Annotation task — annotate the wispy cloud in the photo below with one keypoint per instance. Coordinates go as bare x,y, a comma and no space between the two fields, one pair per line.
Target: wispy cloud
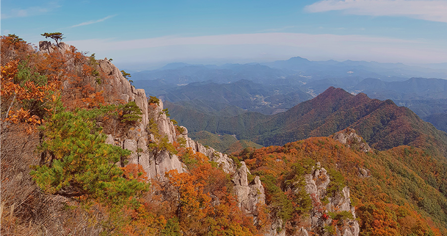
30,11
93,21
430,10
284,39
277,29
276,45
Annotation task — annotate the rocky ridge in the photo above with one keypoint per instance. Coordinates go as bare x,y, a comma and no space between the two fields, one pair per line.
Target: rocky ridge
138,138
326,207
249,193
156,164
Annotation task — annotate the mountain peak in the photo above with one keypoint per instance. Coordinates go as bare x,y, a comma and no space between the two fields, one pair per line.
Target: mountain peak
296,59
333,94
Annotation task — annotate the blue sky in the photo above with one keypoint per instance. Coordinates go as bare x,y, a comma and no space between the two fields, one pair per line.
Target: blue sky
142,34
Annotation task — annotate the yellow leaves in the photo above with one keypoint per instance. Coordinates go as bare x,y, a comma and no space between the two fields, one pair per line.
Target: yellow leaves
9,71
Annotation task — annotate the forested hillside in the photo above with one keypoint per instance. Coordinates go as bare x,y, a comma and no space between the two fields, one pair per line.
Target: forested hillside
382,123
283,84
86,153
400,191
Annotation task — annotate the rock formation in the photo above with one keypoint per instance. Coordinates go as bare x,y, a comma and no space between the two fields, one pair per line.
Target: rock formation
155,126
331,212
249,194
350,138
339,202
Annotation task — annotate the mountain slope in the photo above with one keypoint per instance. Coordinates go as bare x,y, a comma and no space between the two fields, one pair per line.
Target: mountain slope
381,123
400,191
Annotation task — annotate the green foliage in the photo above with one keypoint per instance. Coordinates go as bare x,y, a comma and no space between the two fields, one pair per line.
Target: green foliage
24,75
295,180
15,38
57,36
95,73
154,100
172,228
250,177
337,181
236,161
341,216
92,61
180,129
280,204
329,228
165,145
76,161
166,112
125,74
131,113
188,160
35,106
174,122
152,128
181,141
158,144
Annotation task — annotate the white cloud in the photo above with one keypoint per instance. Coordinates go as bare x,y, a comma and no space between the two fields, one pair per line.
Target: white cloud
431,10
31,11
285,39
93,21
267,46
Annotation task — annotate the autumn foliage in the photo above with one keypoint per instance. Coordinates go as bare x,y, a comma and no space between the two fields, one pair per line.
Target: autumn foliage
404,194
59,175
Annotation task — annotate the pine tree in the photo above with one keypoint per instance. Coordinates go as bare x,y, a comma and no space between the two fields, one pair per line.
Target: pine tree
131,113
76,161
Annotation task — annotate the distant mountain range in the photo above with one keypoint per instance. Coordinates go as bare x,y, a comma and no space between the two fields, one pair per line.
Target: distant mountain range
275,87
381,123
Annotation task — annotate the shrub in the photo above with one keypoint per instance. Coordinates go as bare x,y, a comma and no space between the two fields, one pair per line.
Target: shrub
154,100
131,113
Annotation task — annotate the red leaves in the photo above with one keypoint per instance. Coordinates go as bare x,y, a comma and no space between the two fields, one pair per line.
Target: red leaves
135,171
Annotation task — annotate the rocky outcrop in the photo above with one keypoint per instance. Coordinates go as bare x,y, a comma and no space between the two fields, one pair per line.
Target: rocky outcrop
249,194
350,138
48,47
331,212
155,127
364,173
327,205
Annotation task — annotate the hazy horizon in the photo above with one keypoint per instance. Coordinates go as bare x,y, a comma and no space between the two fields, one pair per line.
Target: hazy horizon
146,35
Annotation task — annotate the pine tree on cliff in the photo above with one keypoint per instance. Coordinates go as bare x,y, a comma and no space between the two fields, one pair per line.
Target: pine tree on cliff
57,36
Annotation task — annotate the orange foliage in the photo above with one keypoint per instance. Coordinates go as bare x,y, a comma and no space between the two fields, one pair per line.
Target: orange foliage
135,171
376,202
206,205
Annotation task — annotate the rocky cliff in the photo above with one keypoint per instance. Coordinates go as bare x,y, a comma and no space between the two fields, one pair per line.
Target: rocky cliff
248,193
328,207
331,213
145,138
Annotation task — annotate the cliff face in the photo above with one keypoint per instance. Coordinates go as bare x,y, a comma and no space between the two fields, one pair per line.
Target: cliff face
249,194
324,204
155,127
327,207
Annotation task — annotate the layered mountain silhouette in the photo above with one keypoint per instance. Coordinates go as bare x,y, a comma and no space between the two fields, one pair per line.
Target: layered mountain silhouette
382,124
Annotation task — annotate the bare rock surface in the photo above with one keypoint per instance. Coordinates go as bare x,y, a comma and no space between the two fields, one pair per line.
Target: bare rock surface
317,184
350,138
324,204
249,194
